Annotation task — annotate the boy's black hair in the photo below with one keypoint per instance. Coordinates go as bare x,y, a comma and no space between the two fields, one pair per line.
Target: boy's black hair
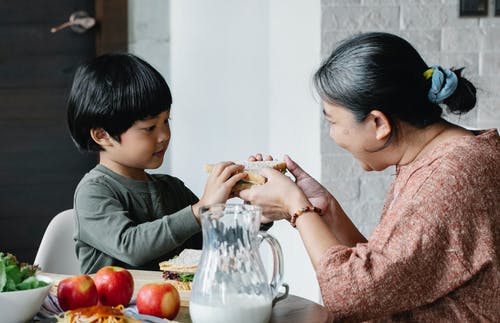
112,92
381,71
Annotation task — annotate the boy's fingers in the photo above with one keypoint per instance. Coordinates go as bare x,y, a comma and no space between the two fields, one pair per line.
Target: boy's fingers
219,167
232,169
235,179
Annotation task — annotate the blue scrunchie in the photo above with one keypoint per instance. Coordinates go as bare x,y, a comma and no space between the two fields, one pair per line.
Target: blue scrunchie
444,83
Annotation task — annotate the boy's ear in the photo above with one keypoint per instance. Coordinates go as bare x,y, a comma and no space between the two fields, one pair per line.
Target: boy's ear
100,136
382,125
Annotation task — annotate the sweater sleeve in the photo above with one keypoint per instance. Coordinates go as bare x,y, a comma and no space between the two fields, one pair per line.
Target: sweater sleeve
104,223
427,244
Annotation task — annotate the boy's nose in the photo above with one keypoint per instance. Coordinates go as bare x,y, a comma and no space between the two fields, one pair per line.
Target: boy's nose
164,135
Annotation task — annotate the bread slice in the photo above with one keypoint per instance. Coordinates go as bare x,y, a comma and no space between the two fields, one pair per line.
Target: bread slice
184,286
252,170
186,261
176,270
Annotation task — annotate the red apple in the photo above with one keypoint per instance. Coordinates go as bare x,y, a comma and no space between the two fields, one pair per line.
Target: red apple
115,286
161,299
76,291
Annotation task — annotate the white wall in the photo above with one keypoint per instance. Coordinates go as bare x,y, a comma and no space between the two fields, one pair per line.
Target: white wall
219,74
294,116
149,38
240,77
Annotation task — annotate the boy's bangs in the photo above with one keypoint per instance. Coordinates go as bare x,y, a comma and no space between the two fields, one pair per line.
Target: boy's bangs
144,93
146,97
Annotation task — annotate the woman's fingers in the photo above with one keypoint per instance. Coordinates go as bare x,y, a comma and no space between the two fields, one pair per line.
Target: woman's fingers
259,157
294,168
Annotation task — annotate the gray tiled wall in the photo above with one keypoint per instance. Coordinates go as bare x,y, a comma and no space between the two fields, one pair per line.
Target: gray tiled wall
442,37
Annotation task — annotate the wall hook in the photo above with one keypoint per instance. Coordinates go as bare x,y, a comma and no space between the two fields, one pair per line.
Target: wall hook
79,22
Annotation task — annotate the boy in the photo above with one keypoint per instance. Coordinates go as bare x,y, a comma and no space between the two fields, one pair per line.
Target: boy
119,107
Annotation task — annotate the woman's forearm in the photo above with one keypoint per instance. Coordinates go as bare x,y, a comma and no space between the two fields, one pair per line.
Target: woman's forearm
319,232
341,226
316,236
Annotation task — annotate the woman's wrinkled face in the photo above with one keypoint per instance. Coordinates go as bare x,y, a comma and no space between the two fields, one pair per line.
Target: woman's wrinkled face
358,138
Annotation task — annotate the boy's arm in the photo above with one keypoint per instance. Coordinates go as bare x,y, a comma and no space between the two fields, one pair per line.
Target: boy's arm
103,222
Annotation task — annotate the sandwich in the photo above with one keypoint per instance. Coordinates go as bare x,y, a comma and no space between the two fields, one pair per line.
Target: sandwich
252,170
179,271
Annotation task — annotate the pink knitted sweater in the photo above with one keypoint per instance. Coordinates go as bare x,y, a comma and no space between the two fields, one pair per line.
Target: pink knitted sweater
434,256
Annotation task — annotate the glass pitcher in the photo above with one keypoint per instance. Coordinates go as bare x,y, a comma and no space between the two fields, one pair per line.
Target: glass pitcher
230,284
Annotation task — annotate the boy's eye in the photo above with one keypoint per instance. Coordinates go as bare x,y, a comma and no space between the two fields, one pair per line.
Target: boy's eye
149,129
330,122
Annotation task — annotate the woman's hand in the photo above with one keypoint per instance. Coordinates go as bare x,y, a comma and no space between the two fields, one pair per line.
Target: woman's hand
333,216
220,181
315,192
278,196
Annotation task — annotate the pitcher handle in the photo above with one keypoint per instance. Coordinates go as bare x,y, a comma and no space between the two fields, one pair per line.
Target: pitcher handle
278,276
282,296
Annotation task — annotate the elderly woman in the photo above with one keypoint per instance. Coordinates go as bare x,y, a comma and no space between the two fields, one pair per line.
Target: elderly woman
434,255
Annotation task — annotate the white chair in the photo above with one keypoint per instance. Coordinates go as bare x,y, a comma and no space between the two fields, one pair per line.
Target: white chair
56,253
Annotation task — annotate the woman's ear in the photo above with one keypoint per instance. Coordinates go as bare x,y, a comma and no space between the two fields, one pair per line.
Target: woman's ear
101,137
383,127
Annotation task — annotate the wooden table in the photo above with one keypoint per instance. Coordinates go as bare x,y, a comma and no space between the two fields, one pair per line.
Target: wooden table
297,310
293,309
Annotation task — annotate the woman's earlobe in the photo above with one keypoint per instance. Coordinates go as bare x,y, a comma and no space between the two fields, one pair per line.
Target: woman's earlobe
383,126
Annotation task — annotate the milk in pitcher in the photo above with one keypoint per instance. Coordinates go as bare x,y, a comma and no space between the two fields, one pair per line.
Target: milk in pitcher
239,309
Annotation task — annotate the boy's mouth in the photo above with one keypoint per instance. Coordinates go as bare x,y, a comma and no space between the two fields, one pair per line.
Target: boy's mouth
160,152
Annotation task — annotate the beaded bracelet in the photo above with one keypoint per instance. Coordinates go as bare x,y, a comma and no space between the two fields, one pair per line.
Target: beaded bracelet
302,211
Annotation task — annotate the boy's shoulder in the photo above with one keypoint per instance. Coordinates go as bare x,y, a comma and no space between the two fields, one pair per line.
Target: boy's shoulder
95,178
103,176
167,179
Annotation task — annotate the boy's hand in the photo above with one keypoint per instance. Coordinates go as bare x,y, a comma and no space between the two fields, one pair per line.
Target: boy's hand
219,184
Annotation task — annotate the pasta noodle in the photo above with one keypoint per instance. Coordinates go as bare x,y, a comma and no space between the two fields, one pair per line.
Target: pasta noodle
95,314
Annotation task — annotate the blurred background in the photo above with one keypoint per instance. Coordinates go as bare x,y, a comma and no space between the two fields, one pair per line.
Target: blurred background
240,74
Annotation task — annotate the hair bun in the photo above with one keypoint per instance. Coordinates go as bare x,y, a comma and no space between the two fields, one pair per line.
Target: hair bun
463,98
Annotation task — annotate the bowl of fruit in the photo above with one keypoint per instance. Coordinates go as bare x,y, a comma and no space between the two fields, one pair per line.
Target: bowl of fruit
22,291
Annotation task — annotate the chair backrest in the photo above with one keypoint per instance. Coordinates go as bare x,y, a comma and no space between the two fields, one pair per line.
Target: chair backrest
56,253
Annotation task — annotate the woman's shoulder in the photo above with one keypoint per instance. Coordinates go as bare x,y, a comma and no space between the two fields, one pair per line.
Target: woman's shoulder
455,166
465,154
478,153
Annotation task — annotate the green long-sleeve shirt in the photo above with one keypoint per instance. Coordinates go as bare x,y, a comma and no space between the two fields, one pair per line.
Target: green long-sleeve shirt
132,224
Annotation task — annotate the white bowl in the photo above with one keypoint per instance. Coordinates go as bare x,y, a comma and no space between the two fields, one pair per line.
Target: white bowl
22,305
